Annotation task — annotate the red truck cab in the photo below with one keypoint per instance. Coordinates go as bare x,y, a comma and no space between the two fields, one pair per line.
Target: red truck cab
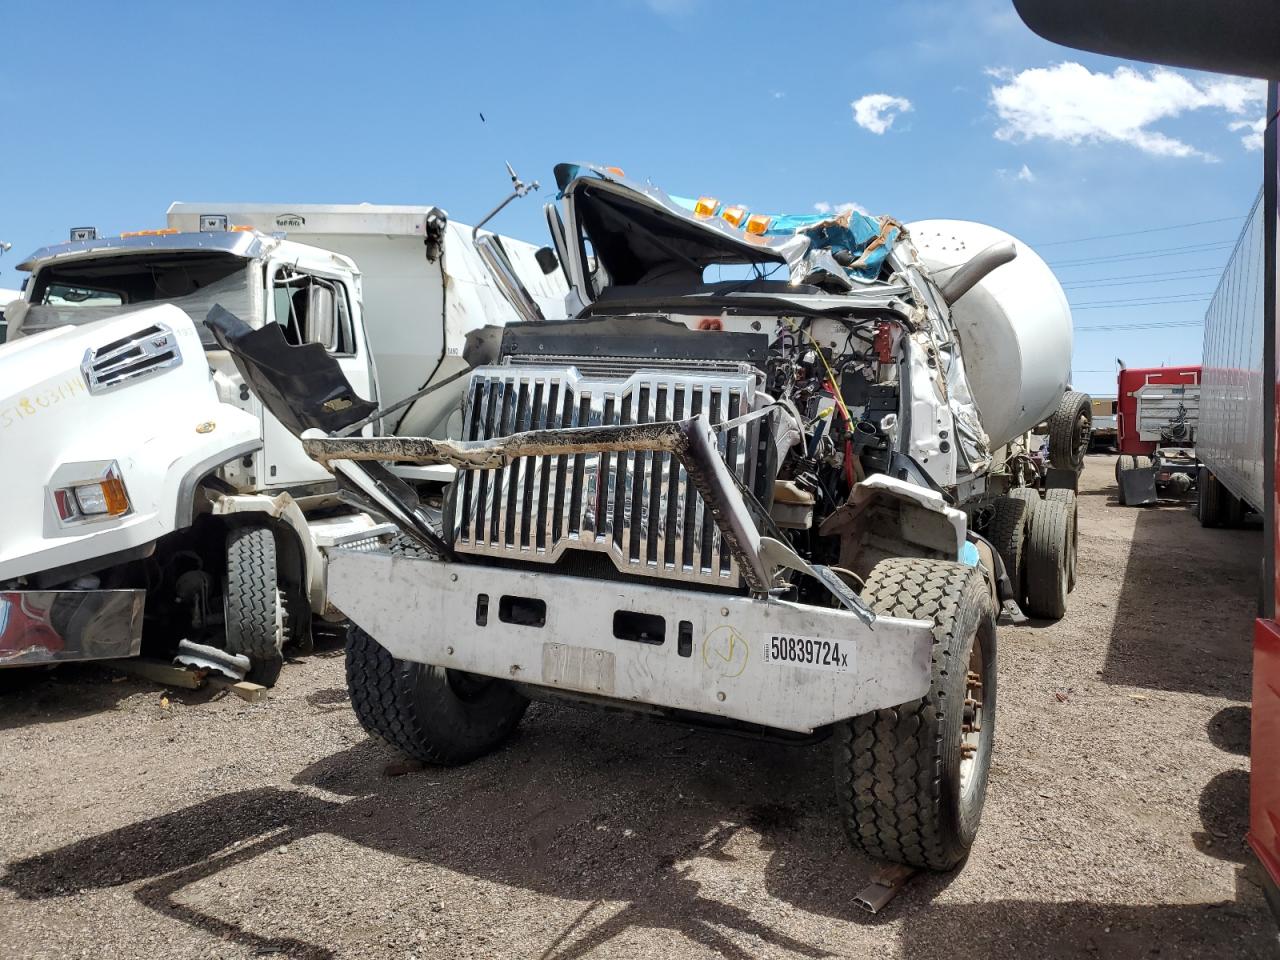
1147,399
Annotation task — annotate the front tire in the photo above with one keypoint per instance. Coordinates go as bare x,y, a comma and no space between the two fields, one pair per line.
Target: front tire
428,713
254,605
911,780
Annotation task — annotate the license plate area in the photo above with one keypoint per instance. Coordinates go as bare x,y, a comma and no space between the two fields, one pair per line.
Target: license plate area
811,653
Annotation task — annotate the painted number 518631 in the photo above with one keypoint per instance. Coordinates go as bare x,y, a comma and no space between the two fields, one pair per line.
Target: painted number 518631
813,652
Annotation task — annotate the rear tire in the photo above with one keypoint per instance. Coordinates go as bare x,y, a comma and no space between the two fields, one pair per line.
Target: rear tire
1007,532
1123,462
431,714
1028,494
255,620
911,780
1068,497
1069,429
1209,505
1048,562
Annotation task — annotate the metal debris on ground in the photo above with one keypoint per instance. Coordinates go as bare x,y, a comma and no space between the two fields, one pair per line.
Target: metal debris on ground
884,886
233,666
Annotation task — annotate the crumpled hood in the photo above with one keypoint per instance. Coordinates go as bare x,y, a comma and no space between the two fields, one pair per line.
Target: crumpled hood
642,235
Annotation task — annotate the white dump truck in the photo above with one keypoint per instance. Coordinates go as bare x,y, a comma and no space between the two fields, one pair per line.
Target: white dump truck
1233,417
145,484
754,482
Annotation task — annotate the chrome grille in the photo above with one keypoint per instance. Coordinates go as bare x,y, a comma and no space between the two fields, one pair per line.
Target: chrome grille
139,355
638,508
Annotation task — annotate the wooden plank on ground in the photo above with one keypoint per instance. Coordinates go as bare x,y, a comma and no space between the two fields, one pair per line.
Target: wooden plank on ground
159,672
250,692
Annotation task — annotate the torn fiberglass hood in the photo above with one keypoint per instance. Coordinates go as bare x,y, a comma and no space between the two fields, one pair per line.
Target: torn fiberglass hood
641,236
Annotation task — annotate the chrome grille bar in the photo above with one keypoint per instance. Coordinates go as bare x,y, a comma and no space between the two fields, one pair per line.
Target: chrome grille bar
639,508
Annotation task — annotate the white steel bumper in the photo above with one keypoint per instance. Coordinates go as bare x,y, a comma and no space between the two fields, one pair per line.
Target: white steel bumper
711,658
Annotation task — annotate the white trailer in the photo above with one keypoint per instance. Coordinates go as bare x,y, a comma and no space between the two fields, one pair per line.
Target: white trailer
1232,424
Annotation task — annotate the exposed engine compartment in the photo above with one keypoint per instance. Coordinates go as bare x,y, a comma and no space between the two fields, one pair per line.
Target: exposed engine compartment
803,409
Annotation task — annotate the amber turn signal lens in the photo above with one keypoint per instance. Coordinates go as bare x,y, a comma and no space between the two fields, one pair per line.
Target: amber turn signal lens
706,207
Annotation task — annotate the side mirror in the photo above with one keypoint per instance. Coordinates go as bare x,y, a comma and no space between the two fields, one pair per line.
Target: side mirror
547,260
322,326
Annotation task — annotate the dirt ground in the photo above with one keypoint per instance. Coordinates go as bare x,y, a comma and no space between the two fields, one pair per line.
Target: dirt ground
135,823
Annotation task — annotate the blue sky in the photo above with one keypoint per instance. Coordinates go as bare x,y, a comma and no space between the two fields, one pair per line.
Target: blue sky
115,110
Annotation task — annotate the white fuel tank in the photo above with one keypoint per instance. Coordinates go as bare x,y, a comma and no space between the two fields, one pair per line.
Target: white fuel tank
1014,326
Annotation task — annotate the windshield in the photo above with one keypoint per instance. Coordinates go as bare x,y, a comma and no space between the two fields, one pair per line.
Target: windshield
89,290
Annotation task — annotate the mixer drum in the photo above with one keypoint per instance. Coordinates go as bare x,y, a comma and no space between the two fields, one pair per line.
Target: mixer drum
1014,326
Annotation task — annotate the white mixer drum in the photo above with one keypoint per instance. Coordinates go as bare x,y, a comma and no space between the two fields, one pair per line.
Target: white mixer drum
1014,326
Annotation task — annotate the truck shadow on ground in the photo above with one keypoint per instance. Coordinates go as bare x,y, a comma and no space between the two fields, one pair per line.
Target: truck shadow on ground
600,812
1179,625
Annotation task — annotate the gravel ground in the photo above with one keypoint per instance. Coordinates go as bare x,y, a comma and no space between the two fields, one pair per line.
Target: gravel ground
143,824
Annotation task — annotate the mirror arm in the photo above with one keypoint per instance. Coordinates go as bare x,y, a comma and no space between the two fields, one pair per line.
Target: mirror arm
518,189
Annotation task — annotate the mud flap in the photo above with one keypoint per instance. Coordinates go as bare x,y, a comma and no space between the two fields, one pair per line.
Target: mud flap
1138,487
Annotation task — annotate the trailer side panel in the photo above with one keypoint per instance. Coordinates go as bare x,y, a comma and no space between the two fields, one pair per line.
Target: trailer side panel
1231,409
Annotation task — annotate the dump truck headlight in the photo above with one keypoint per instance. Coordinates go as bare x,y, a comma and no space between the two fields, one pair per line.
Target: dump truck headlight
92,499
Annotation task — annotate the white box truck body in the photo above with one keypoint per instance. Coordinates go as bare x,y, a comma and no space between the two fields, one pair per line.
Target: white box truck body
1232,424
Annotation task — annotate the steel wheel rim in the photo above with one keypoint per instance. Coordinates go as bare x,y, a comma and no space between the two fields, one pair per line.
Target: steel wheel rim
972,728
1082,437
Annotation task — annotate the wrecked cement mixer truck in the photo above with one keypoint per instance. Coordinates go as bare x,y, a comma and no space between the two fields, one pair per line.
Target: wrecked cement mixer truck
778,501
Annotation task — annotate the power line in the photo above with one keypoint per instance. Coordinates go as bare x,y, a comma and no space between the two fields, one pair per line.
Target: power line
1140,301
1155,325
1147,254
1136,279
1134,233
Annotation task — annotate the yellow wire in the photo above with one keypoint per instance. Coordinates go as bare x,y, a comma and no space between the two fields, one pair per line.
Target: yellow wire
831,378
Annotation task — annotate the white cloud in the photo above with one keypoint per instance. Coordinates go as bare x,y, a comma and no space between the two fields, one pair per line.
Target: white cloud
877,111
1025,175
779,94
1069,103
1253,139
839,208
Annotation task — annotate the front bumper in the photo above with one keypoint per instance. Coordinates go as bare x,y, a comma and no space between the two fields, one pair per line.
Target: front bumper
53,626
559,632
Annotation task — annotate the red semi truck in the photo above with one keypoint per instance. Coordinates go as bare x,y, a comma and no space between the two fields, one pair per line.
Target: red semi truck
1157,419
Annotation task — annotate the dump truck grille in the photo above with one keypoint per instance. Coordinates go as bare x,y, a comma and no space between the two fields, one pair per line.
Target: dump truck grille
638,508
137,356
